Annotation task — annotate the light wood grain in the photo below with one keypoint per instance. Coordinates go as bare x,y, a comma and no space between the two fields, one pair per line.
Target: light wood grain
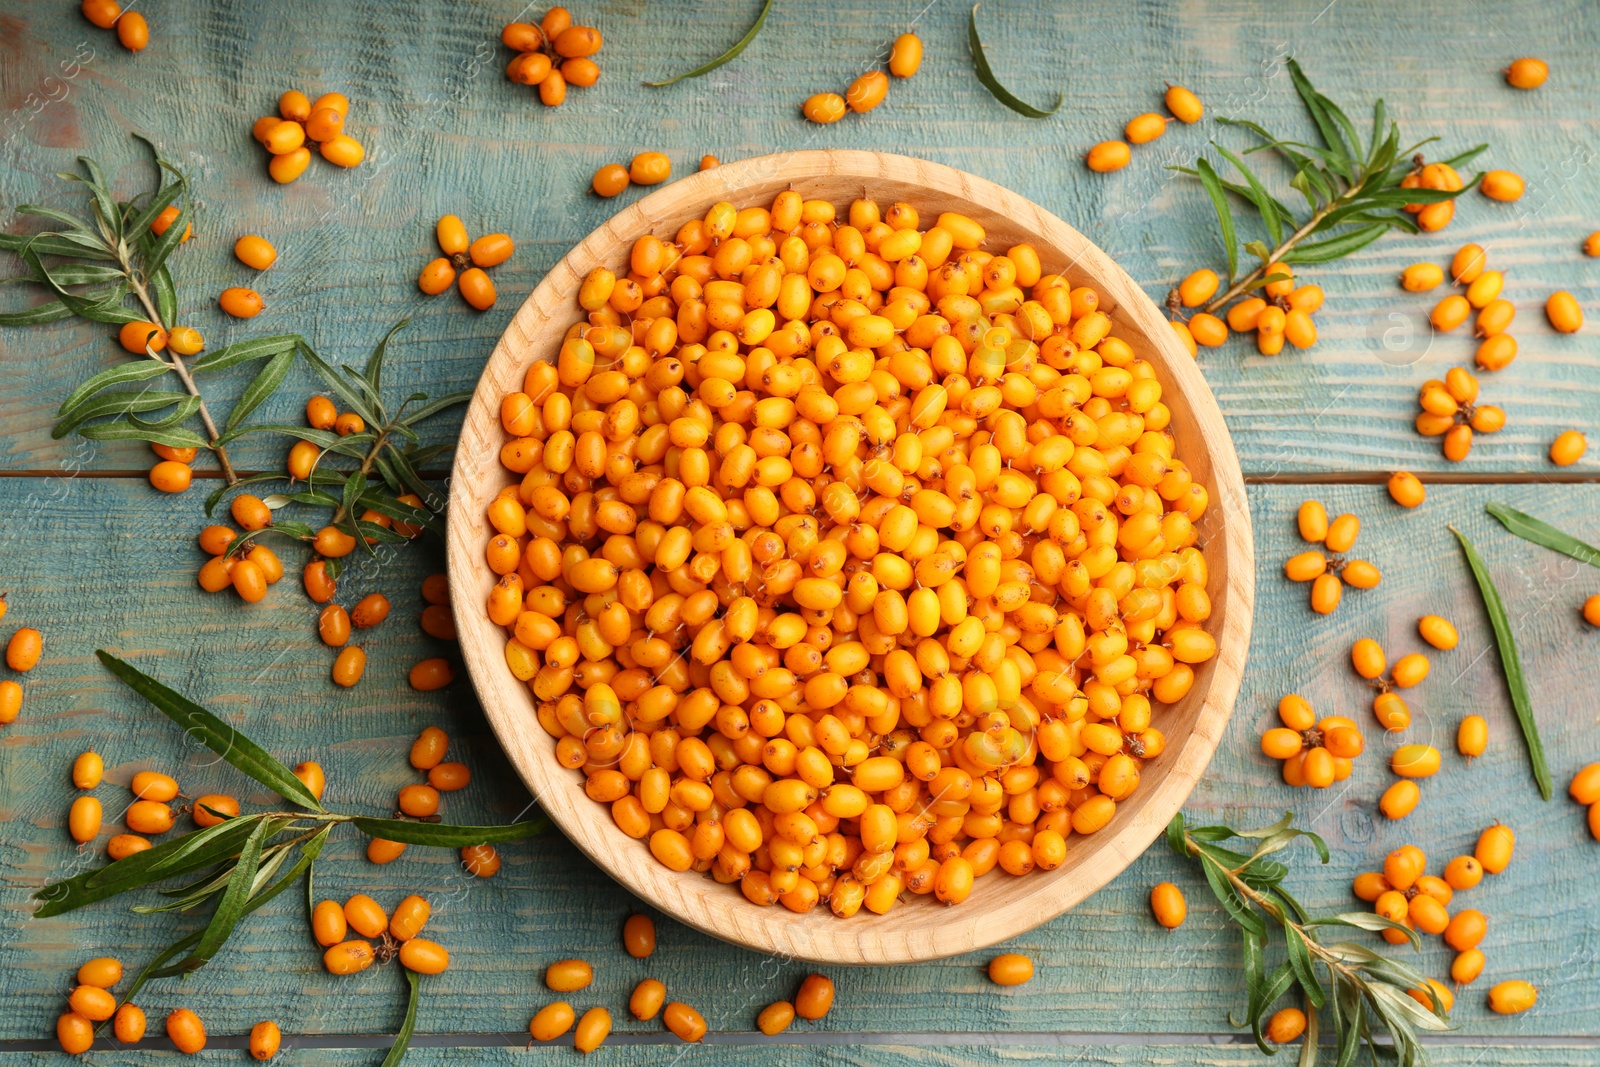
922,928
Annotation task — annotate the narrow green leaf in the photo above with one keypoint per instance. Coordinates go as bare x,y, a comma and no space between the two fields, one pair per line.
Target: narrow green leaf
139,224
427,411
1268,208
134,430
243,352
1510,663
224,489
1229,898
445,835
1329,131
347,392
383,505
1403,1006
1349,1036
180,411
1304,971
1463,158
980,63
226,741
1175,839
373,372
1367,920
1334,247
1219,200
56,244
71,222
726,57
262,386
402,1040
158,248
1543,534
51,311
231,907
1255,976
166,295
119,402
413,481
77,274
1278,983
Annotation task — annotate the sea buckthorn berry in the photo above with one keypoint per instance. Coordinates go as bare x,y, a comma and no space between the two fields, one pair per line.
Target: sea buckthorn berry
476,288
577,41
133,31
639,936
1342,533
1183,104
102,13
1185,336
1198,287
324,125
1368,659
709,161
491,249
73,1032
265,1038
186,341
568,976
348,957
381,850
581,72
1585,785
1513,997
777,1017
1415,761
343,150
241,303
1472,736
1208,330
419,801
102,973
24,649
83,819
1591,244
284,138
121,846
867,91
521,36
1438,632
1010,968
1167,905
1370,886
592,1031
1466,929
437,276
551,1021
372,610
186,1030
1463,872
1591,610
1494,848
1142,129
1527,73
424,956
135,336
212,808
162,222
1402,867
1568,448
1108,156
1409,670
1501,185
814,998
289,166
649,168
312,776
87,770
333,542
685,1023
1285,1025
553,89
318,585
320,413
1435,991
349,666
431,674
92,1002
610,180
1467,966
1312,521
128,1024
328,924
823,108
1450,312
449,777
10,701
905,57
1420,277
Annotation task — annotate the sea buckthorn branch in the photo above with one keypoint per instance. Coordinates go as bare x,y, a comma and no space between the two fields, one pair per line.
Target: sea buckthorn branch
1355,190
121,250
383,499
1363,988
241,856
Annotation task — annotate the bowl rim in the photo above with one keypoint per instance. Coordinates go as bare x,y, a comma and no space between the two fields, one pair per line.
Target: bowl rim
695,899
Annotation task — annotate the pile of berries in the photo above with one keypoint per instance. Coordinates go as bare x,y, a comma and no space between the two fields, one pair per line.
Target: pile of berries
469,258
1327,574
553,55
869,90
300,120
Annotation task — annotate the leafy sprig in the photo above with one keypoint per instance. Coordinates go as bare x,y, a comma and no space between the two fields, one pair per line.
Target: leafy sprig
239,859
1351,185
1363,991
388,456
100,262
980,66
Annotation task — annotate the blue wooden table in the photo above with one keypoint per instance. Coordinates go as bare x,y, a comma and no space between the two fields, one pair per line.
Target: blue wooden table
94,558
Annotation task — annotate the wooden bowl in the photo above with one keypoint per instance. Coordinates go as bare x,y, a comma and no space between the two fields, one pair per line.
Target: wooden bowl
1001,906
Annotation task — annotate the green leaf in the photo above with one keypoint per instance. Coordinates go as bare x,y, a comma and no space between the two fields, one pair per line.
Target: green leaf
1278,983
384,505
130,371
1463,158
50,311
402,1040
231,907
1304,970
224,489
1334,247
1399,1004
243,352
1254,959
1219,200
352,398
139,225
445,835
261,387
1175,839
71,222
1367,920
1315,105
135,430
726,57
166,296
224,740
158,248
373,372
1543,534
106,309
427,411
1270,210
412,480
120,402
1510,663
1231,901
76,274
56,244
980,63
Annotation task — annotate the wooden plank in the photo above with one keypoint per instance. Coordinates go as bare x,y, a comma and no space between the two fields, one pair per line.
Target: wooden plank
108,565
447,133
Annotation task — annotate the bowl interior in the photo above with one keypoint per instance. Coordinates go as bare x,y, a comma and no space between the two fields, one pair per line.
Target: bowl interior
1001,906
